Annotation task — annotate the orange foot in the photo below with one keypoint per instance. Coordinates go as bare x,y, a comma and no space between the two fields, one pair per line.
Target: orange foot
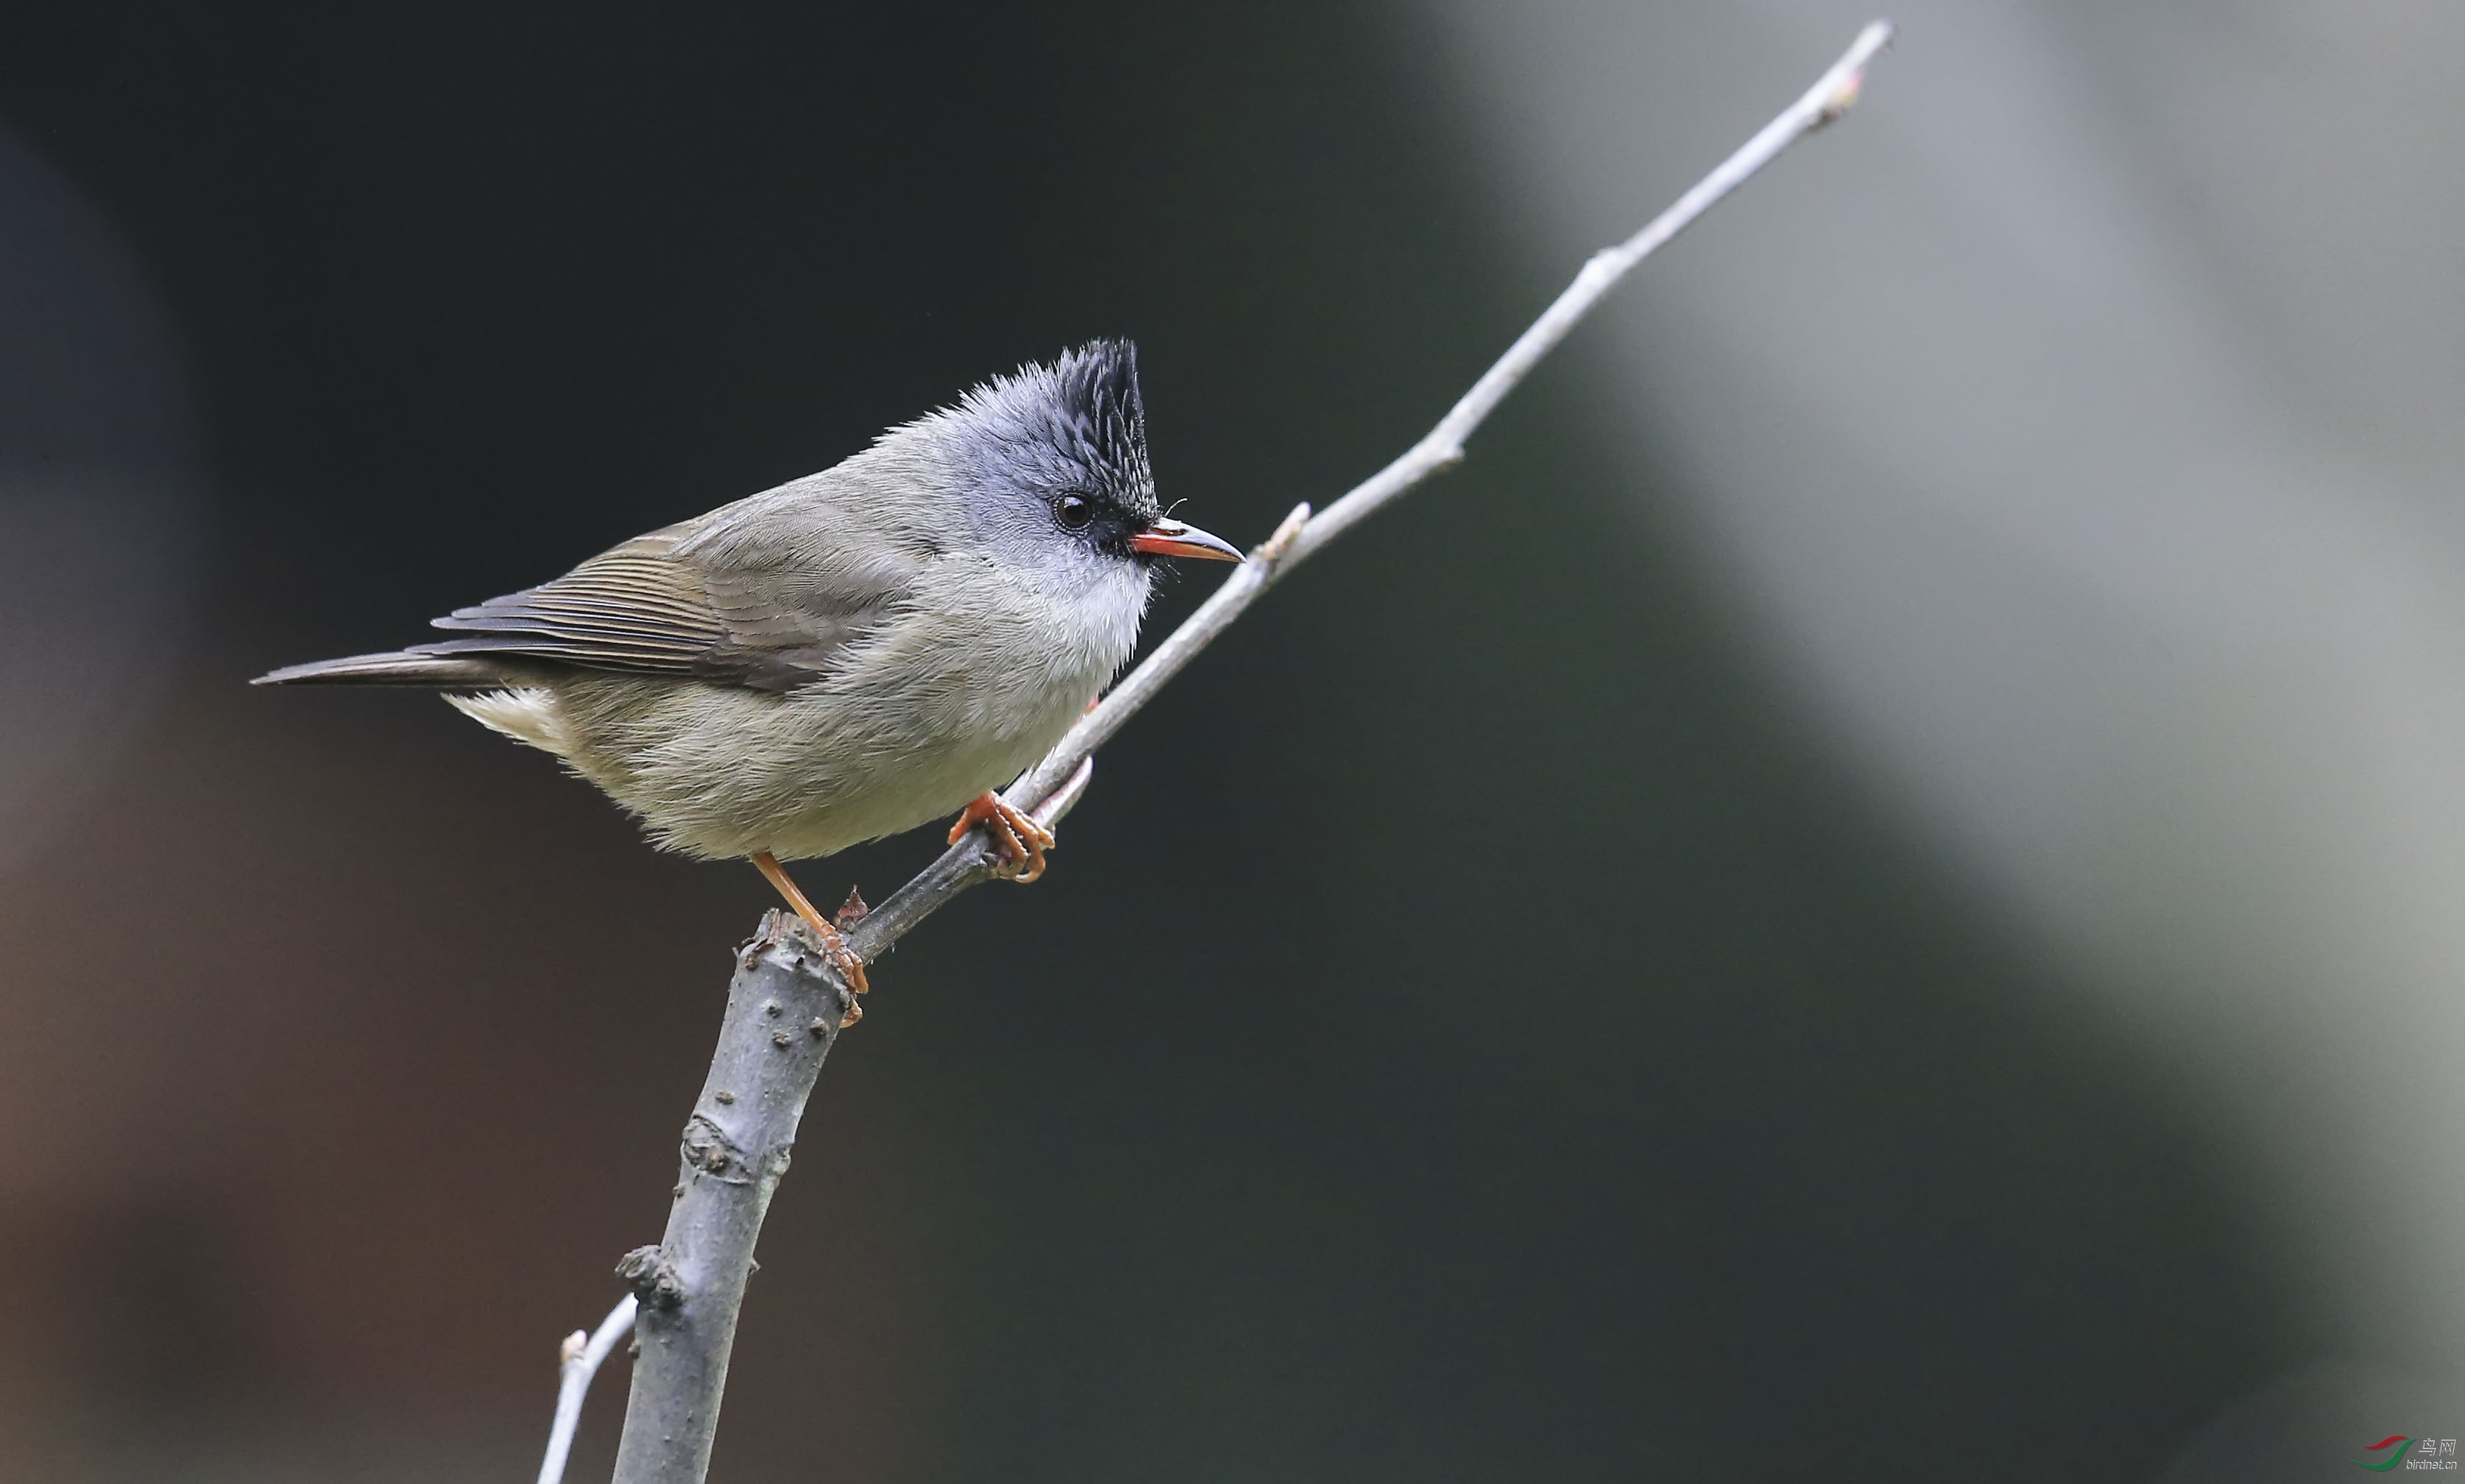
1022,840
851,967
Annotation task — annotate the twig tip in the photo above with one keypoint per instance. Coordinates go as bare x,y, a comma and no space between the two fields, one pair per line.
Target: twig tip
1851,87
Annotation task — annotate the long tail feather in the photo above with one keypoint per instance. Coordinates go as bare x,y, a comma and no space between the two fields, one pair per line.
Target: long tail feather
404,667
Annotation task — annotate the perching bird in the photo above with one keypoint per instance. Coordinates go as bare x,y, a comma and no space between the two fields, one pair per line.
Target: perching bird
852,654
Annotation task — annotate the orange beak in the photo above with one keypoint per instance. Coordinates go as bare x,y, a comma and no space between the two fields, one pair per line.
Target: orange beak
1172,538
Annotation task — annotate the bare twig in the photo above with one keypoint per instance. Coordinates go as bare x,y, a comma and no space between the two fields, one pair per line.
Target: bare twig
786,999
1301,535
577,1360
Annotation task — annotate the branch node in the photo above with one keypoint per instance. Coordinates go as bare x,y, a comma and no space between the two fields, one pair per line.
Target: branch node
1842,100
1273,549
653,1278
707,1150
851,911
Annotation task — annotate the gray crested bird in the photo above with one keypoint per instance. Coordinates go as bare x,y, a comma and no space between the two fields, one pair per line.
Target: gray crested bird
850,654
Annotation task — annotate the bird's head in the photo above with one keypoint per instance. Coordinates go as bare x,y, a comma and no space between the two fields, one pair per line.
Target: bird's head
1056,461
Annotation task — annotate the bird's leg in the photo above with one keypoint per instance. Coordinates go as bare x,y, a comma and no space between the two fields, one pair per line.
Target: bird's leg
851,967
1022,840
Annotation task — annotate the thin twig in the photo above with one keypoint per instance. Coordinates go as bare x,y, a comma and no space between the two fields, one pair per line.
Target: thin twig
1300,536
577,1361
786,999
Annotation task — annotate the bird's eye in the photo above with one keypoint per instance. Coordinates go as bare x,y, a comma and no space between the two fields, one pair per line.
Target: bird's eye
1074,512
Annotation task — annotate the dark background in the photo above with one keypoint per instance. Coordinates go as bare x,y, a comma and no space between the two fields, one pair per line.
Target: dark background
1472,1030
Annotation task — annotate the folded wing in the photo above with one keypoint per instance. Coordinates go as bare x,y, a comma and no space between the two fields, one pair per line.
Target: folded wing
663,605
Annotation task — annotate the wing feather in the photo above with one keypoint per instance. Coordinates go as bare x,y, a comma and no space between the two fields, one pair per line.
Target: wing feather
664,603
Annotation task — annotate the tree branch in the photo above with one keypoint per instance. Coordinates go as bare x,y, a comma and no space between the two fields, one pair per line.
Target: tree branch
786,999
785,1007
1301,535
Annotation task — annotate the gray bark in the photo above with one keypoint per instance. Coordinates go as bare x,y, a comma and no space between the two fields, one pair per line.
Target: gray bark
784,1009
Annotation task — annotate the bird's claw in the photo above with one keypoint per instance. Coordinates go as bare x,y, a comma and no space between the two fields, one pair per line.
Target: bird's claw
834,943
1021,840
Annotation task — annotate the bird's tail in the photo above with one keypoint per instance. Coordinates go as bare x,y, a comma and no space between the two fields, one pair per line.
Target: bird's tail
403,667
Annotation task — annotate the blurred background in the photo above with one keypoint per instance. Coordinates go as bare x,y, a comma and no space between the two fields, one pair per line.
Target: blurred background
1870,889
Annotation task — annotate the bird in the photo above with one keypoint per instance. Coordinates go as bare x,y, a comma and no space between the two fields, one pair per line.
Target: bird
852,654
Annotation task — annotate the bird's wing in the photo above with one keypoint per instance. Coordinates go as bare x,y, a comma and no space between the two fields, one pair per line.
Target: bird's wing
665,604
